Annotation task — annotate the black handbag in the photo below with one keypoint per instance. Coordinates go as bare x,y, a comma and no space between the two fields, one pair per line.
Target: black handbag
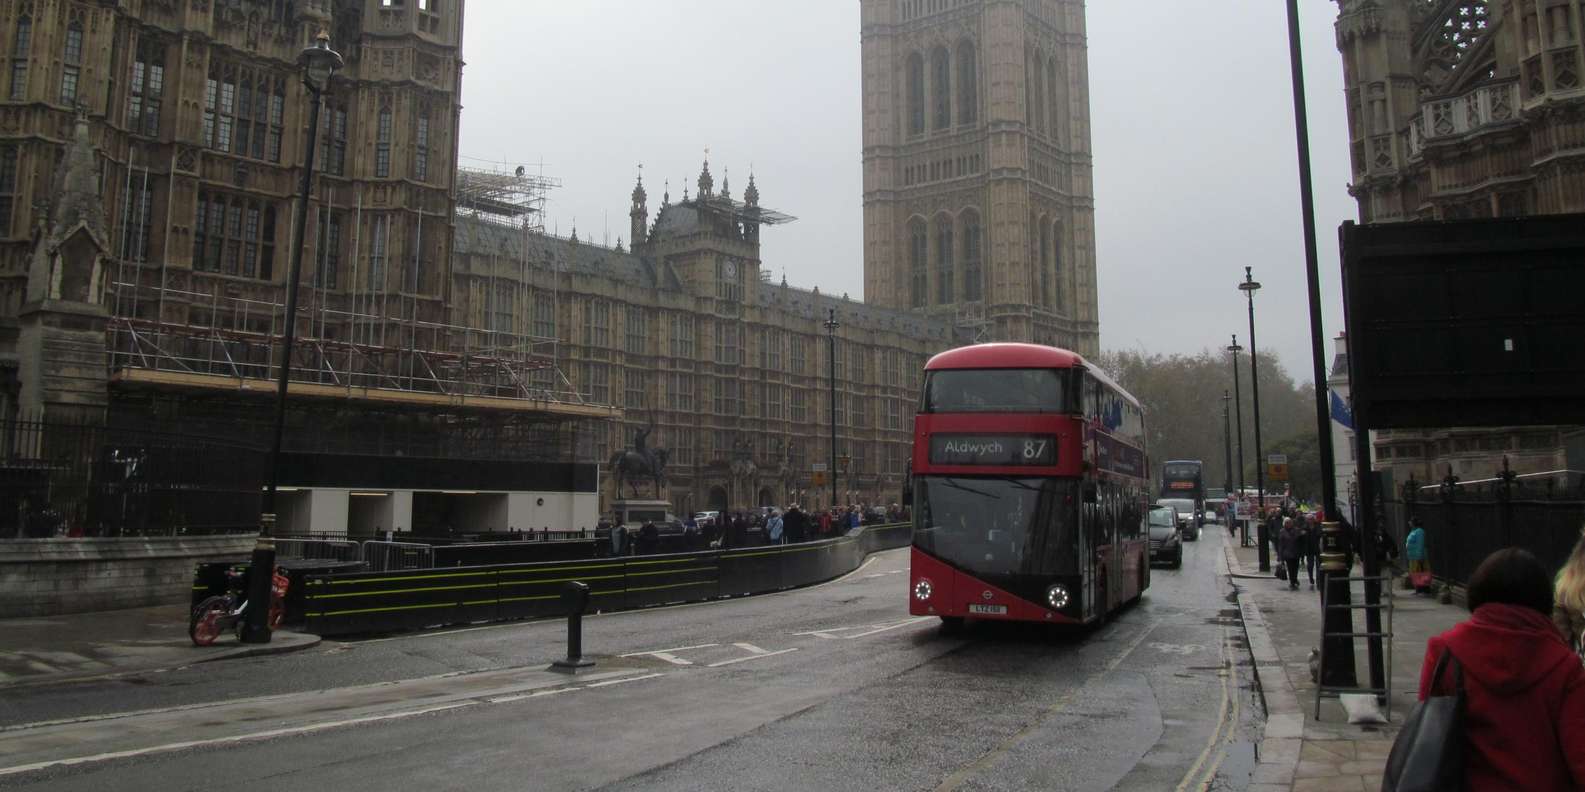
1282,570
1428,755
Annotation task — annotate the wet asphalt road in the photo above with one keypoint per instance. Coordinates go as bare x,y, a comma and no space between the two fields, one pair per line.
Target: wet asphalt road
833,687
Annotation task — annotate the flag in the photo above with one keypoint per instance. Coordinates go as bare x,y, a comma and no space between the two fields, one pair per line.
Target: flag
1341,412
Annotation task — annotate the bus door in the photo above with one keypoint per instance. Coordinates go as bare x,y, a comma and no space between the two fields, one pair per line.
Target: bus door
1102,576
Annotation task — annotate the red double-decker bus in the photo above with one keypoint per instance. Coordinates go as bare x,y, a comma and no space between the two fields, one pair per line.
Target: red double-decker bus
1030,489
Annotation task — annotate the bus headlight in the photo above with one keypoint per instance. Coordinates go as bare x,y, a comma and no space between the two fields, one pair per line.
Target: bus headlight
923,589
1057,597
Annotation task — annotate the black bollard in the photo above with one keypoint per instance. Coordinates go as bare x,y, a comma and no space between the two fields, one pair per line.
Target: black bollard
575,596
256,621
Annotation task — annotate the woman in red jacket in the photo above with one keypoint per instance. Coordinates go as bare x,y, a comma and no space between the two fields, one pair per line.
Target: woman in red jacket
1525,689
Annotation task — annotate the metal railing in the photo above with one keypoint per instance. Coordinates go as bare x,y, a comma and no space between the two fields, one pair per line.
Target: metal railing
88,479
385,556
1467,521
319,549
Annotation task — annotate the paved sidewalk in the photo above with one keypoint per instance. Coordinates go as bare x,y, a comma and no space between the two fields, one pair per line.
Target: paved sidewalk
51,649
1300,753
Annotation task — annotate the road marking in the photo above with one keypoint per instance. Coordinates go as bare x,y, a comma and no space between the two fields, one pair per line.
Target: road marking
1179,649
535,694
756,653
1217,734
264,735
670,655
830,633
623,680
961,776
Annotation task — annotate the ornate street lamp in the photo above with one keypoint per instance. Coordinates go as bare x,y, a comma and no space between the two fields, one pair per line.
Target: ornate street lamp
319,62
1249,287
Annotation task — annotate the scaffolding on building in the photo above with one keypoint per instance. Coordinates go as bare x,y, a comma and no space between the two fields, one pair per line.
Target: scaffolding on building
232,343
505,196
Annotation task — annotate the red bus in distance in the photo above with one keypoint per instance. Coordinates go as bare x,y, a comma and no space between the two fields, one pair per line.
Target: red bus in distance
1030,489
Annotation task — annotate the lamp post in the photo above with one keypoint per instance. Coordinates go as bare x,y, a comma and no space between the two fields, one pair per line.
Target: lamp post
1338,621
1238,416
1227,436
831,358
319,62
1249,287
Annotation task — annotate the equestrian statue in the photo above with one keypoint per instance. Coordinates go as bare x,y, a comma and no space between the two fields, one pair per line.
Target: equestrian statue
640,463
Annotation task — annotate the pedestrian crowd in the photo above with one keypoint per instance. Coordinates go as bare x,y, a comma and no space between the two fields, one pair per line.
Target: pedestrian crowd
747,528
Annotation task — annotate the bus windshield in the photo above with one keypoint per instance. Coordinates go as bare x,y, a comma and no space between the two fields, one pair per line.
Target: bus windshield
996,390
992,527
1182,471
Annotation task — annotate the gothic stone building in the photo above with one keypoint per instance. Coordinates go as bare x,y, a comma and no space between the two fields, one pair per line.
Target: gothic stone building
979,201
1465,109
196,114
687,335
188,118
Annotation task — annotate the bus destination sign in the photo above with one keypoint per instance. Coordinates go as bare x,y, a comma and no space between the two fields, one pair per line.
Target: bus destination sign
998,450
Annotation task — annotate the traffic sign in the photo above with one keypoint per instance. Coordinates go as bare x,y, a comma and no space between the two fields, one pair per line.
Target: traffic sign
1277,467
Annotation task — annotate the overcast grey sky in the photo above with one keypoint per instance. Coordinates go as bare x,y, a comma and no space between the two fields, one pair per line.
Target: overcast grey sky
1195,162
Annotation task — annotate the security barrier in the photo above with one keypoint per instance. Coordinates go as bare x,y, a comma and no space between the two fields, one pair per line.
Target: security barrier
370,602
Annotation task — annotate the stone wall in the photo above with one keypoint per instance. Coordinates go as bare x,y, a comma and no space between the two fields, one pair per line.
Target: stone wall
47,577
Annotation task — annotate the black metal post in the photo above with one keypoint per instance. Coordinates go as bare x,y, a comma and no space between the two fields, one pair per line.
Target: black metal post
1341,619
289,336
574,595
1238,416
1227,435
1249,286
261,573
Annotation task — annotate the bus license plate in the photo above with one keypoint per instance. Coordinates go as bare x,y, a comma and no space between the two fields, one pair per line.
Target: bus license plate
988,610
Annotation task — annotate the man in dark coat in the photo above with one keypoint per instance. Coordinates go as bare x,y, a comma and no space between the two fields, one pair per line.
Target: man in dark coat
796,524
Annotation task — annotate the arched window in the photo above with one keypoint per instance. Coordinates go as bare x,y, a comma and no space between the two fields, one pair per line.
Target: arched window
973,269
968,85
916,94
919,262
1055,111
940,89
19,58
944,270
72,60
1045,263
1057,275
1037,113
147,88
1029,89
1060,122
382,145
421,145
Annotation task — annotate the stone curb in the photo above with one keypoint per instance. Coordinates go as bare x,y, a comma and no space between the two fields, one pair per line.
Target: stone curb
1284,730
297,643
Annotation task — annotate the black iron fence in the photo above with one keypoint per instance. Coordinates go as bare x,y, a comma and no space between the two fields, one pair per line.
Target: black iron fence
1466,521
87,479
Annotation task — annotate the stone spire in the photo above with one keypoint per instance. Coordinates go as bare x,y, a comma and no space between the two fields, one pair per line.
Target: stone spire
751,195
67,263
726,185
665,197
639,214
76,188
706,181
